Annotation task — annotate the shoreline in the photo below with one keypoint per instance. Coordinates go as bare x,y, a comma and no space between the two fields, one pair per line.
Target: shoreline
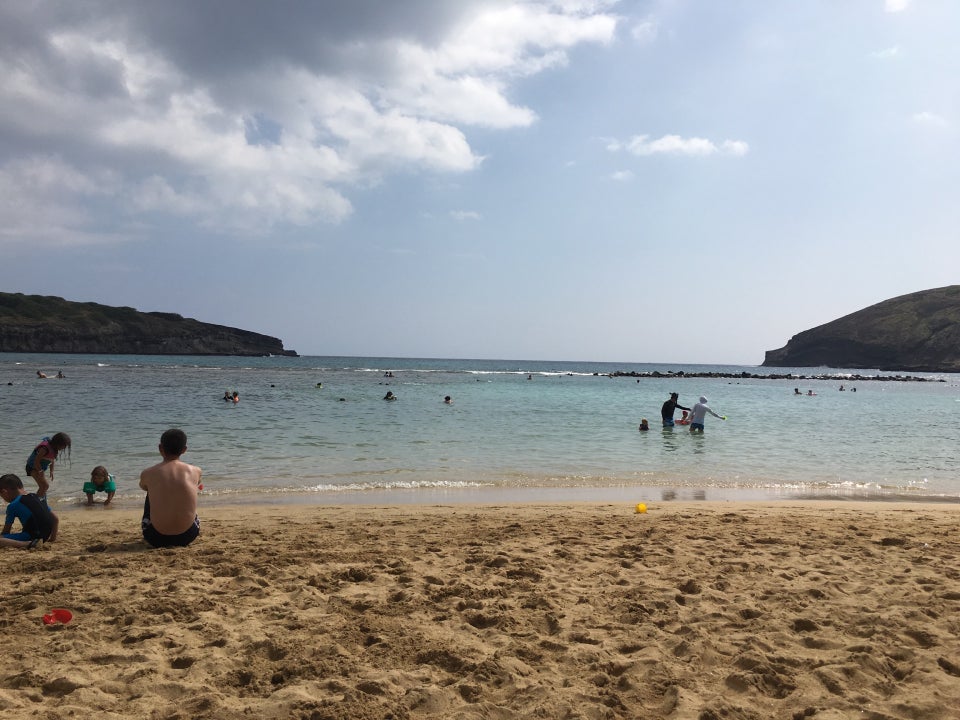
234,510
627,496
709,610
744,375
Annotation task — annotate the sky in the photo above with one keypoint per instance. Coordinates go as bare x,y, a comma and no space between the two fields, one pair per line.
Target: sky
664,181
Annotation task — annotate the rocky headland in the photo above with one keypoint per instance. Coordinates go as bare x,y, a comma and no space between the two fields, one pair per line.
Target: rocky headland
48,324
919,332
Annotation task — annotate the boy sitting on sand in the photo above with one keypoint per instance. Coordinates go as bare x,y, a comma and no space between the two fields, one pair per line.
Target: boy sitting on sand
170,510
38,522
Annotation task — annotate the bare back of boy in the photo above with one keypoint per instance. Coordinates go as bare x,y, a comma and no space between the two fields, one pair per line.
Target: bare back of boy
171,487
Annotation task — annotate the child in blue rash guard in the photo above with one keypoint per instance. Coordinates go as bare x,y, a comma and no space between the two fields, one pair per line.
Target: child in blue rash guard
38,522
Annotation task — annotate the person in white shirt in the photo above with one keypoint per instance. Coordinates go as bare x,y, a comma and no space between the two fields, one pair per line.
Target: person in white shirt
699,414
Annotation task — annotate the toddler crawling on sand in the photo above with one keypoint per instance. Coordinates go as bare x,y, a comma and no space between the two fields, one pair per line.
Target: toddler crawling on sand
100,481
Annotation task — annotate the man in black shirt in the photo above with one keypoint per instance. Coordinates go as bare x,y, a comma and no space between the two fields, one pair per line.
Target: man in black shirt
666,411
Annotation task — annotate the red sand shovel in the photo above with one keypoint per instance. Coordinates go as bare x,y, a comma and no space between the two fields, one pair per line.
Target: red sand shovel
58,615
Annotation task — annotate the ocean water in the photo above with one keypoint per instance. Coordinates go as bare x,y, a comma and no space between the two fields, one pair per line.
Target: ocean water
516,430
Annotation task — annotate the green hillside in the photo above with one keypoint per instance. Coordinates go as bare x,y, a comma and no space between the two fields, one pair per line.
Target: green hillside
918,332
48,324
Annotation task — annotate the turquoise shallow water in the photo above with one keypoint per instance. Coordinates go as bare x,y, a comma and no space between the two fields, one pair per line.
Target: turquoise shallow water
568,432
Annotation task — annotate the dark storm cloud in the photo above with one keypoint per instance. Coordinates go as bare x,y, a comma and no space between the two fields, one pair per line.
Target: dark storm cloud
26,32
217,37
240,114
214,43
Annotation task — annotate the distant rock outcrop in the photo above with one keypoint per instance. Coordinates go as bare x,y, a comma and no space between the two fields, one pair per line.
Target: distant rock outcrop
46,324
919,332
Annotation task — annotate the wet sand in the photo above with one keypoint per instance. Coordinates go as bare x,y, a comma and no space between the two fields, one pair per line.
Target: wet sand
702,611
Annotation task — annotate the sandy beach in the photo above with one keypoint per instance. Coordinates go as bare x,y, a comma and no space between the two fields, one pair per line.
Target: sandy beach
705,611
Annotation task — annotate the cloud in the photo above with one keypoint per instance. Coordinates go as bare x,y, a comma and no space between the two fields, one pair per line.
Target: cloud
887,53
642,145
734,147
622,176
243,117
463,215
44,200
929,119
895,6
645,31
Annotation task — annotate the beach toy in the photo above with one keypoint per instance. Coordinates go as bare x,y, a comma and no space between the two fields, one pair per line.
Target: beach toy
641,508
200,486
724,417
58,615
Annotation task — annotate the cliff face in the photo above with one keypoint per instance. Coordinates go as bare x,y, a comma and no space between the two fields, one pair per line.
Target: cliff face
45,324
919,332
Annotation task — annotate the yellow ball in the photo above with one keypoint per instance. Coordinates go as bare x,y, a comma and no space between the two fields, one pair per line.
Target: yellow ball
641,508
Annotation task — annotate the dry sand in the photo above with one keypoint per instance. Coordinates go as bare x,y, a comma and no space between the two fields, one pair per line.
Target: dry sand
689,611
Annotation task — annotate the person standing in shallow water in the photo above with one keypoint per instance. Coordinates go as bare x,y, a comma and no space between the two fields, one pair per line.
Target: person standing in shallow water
699,414
668,408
